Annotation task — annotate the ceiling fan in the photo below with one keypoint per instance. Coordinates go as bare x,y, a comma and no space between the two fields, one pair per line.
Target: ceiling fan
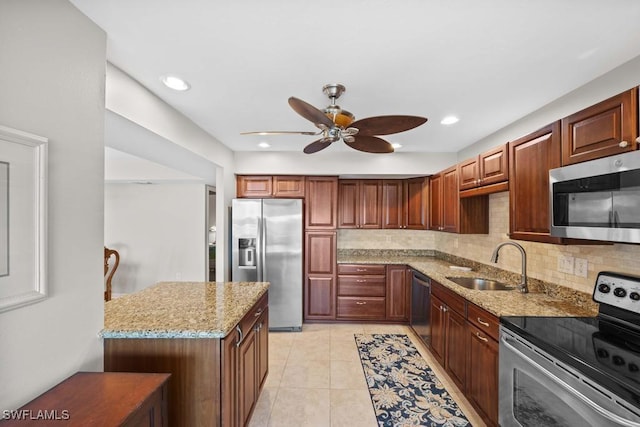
335,123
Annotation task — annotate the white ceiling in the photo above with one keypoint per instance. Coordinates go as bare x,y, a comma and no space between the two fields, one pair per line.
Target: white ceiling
489,62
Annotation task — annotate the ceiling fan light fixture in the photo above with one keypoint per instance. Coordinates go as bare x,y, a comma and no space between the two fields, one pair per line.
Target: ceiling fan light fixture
342,118
175,82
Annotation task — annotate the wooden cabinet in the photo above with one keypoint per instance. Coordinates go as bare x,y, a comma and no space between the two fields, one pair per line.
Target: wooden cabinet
321,203
607,128
361,292
320,275
266,186
450,213
482,363
405,203
213,381
448,331
417,203
485,174
530,159
398,292
113,399
359,203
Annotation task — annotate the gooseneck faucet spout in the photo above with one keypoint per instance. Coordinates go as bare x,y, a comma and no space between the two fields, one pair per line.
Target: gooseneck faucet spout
522,287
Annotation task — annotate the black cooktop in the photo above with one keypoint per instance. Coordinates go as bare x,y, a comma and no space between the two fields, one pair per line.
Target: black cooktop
605,351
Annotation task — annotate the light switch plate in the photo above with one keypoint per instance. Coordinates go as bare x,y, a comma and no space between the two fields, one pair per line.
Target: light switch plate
581,267
565,264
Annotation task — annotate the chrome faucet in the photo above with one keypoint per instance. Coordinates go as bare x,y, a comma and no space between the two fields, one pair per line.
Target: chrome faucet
522,286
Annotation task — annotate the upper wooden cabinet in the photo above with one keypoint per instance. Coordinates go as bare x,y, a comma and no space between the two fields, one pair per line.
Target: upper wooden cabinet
450,213
359,203
266,186
405,203
487,173
530,159
321,203
607,128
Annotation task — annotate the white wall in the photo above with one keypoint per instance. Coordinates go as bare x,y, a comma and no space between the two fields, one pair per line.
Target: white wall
159,232
52,68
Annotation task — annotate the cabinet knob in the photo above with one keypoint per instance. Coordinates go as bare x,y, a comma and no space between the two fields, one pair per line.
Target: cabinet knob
623,144
638,140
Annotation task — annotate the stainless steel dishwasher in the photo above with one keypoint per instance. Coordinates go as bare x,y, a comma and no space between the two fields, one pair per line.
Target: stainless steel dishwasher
421,306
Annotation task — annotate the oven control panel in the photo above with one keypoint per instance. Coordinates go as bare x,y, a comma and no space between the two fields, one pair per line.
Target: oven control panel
618,290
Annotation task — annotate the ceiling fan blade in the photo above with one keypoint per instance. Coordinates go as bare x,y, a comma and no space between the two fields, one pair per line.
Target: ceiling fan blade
280,132
385,125
310,112
369,144
320,144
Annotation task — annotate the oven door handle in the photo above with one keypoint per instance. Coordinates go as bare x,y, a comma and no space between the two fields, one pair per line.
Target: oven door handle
512,345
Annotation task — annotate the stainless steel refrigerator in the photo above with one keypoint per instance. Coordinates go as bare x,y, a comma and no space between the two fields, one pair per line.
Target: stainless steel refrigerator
266,246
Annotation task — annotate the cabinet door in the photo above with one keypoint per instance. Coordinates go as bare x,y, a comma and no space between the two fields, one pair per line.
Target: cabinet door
450,200
288,186
369,205
348,203
320,275
417,203
435,202
607,128
469,174
254,186
263,347
482,374
438,311
530,159
393,196
493,166
247,376
456,348
322,200
229,380
398,292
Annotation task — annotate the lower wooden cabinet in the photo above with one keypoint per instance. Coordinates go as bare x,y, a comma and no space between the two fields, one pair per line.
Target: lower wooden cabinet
482,374
448,332
398,292
361,292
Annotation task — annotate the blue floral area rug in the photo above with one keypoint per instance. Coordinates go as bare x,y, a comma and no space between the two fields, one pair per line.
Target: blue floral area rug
404,390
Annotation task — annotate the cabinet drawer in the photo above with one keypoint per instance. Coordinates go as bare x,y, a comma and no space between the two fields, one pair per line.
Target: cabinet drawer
252,316
361,307
361,269
372,286
483,320
451,299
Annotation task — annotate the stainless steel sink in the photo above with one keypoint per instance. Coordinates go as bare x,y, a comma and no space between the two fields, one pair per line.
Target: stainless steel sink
480,284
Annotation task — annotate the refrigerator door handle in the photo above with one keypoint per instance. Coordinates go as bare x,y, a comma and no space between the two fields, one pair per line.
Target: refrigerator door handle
263,250
259,239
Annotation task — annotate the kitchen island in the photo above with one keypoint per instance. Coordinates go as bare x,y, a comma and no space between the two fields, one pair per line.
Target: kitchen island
212,337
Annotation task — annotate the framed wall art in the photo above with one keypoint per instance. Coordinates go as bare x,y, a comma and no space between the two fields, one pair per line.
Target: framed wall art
23,218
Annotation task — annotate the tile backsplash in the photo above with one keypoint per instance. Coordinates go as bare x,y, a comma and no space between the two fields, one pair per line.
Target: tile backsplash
542,258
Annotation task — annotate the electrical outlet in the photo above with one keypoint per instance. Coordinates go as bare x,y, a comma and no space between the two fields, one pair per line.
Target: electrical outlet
581,267
565,264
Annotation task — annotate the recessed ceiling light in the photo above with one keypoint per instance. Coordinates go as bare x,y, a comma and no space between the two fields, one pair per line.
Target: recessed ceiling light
264,145
175,83
449,120
396,145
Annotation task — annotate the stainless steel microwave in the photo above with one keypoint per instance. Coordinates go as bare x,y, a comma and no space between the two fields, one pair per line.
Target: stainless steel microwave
597,200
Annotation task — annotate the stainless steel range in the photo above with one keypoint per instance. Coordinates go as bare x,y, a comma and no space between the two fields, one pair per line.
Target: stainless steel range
575,371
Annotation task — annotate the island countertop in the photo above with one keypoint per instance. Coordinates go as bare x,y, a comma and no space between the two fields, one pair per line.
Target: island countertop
565,302
181,310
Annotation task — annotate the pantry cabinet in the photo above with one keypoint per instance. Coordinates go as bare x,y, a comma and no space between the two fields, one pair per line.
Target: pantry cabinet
604,129
321,210
320,275
359,203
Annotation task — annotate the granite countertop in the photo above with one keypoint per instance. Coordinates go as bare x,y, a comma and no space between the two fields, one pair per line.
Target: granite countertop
540,301
181,310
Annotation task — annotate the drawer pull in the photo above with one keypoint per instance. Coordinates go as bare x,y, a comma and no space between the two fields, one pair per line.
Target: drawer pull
480,337
361,280
240,337
361,269
258,313
361,302
483,323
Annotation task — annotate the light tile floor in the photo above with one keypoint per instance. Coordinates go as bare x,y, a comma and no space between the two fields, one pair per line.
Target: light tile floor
316,379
